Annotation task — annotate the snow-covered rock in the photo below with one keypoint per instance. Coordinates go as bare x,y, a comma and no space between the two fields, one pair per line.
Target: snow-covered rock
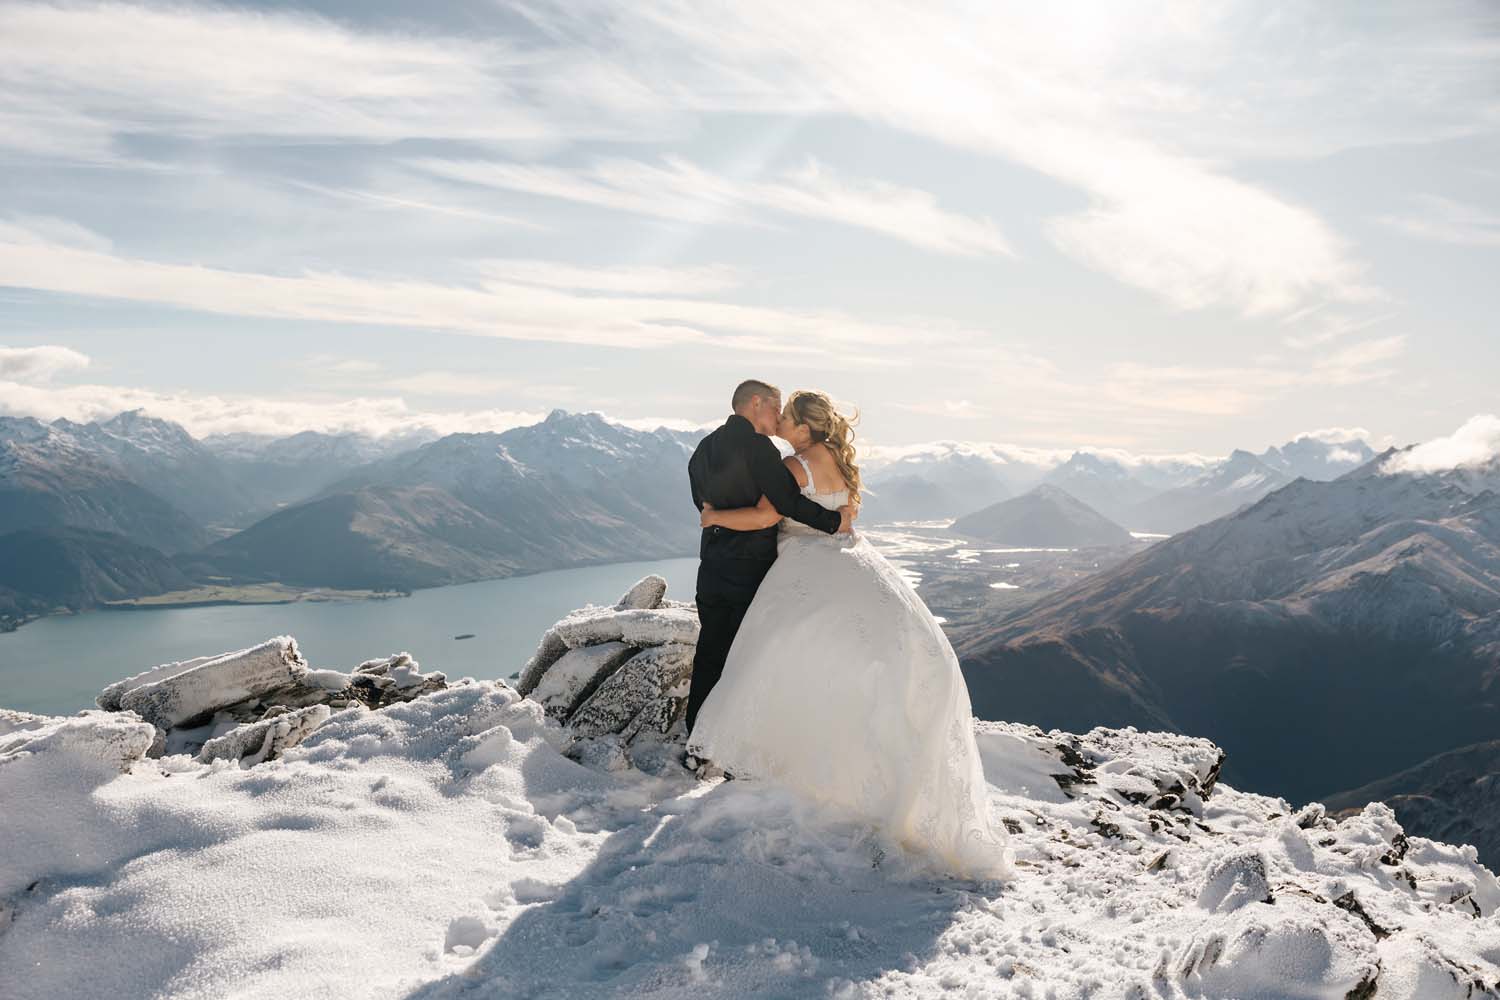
253,703
618,676
105,743
109,698
637,626
646,594
210,684
385,681
267,739
628,621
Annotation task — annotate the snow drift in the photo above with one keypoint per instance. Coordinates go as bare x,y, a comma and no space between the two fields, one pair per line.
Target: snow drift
453,845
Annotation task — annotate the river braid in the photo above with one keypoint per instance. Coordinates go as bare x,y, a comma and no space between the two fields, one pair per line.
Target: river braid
828,427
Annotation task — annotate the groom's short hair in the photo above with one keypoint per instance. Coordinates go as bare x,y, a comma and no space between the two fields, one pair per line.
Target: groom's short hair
749,389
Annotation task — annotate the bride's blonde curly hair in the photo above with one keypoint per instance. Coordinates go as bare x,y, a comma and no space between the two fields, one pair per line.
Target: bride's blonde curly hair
828,426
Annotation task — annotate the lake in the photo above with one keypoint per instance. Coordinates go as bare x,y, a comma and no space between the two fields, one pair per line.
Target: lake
57,665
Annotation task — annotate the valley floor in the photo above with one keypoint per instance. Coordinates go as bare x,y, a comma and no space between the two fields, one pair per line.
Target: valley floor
446,847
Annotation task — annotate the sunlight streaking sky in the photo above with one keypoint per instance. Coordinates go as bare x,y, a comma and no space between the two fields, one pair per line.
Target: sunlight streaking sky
1188,227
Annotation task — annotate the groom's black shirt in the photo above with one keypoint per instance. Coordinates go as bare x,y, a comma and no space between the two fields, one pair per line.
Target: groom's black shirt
733,467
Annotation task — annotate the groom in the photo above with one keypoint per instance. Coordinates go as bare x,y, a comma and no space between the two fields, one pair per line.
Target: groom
733,467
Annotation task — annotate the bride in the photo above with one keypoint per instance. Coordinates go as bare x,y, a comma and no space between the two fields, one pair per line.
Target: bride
840,683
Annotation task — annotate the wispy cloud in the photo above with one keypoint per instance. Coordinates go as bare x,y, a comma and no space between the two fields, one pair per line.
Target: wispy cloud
1443,220
1323,327
1069,100
678,189
73,78
621,279
39,364
490,307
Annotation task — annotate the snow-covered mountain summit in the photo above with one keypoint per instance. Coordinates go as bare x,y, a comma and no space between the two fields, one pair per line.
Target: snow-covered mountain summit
449,845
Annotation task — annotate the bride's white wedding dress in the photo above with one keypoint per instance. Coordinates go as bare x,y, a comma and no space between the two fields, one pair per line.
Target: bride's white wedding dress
841,685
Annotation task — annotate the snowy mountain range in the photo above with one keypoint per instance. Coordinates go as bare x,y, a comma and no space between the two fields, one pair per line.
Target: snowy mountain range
1354,621
1166,494
572,490
52,476
276,471
1238,481
326,510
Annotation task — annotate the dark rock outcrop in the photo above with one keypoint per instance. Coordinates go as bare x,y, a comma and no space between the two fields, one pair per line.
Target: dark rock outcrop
617,676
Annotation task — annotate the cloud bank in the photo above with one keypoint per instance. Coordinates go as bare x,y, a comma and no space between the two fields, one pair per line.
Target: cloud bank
1475,444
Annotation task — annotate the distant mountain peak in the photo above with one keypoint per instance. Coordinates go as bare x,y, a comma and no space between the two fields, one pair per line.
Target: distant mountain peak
1046,516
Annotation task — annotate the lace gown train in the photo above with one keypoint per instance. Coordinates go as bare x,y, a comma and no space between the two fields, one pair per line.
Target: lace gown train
841,685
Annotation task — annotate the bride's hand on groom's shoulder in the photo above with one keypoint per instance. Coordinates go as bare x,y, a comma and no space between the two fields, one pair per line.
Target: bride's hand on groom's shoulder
847,515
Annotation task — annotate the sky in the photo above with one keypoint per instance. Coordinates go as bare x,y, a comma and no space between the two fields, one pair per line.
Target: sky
1176,227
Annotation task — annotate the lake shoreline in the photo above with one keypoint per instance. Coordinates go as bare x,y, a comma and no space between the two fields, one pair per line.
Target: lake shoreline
300,595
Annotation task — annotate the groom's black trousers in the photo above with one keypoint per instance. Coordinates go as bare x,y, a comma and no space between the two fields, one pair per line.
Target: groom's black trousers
725,589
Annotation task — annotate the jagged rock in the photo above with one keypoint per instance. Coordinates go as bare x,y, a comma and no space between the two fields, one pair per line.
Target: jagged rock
1163,772
642,679
267,739
548,652
645,595
612,674
577,675
196,693
382,682
197,705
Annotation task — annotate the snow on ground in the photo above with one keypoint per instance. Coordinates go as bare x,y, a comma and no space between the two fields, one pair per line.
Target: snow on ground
446,848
